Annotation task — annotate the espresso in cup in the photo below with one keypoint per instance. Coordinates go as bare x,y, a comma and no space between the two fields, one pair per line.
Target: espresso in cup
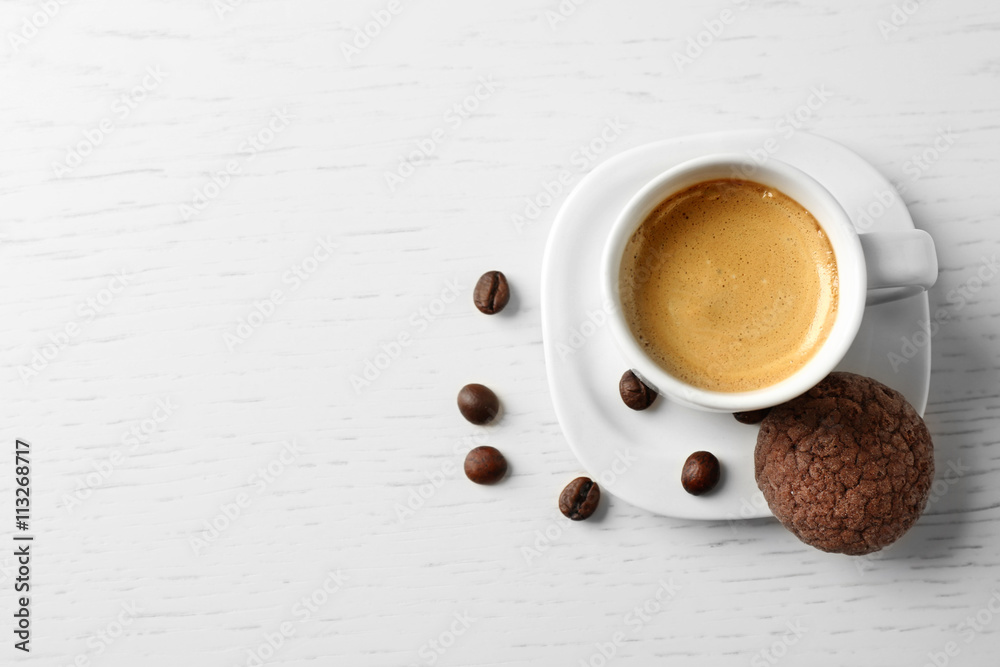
729,285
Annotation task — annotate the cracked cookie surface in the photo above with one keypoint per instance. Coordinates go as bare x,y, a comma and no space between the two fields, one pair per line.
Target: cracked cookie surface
847,466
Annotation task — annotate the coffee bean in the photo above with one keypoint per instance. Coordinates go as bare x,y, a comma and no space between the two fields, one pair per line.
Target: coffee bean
752,416
485,465
636,394
491,293
700,474
478,404
580,498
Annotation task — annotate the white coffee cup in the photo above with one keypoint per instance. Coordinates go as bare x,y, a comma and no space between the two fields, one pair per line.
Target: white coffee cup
872,268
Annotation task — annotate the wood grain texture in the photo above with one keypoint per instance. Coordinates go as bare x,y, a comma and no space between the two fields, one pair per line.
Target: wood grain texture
535,589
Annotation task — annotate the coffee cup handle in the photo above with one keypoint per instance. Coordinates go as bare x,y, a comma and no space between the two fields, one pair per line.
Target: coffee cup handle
900,264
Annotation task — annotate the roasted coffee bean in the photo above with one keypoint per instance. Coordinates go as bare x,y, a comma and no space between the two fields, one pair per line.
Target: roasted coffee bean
580,498
701,473
491,293
485,465
752,416
635,393
478,404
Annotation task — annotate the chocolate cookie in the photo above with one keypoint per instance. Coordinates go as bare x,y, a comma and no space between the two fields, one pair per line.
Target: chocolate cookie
847,466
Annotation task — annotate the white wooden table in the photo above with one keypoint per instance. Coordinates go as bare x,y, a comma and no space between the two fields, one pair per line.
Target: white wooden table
215,214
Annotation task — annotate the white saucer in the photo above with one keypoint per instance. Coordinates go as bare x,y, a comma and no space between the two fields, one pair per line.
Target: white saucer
637,456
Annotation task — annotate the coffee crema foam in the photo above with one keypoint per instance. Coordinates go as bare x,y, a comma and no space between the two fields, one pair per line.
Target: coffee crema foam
730,285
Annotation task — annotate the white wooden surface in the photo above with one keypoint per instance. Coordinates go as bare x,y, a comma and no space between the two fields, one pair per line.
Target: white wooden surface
534,589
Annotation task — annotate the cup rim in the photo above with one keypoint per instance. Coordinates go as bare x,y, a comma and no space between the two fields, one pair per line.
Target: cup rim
835,222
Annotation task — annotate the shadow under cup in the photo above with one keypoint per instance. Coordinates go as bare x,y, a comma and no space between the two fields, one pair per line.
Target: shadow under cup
807,192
